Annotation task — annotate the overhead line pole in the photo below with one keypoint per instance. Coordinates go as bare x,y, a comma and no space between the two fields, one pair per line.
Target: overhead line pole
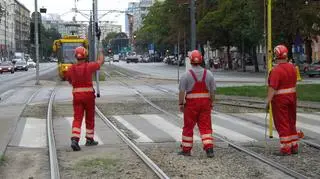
95,41
193,25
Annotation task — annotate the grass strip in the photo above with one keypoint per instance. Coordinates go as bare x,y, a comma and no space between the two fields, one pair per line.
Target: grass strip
306,92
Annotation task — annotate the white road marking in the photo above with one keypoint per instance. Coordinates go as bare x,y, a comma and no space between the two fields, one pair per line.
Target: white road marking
34,133
232,135
309,116
142,137
245,124
174,131
309,127
83,132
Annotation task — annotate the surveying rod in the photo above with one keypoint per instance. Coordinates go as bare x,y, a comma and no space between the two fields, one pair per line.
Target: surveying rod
96,42
269,11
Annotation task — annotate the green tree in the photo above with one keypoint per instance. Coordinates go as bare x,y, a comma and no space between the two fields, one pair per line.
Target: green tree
106,40
292,18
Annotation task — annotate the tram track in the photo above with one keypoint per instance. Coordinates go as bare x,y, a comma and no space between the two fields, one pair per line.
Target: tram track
53,159
270,162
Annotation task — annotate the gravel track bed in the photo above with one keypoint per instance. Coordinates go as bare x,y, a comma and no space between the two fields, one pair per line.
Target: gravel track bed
306,162
227,163
107,161
25,163
36,111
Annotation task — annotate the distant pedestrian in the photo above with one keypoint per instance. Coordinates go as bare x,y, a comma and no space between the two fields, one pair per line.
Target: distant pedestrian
196,96
80,76
282,95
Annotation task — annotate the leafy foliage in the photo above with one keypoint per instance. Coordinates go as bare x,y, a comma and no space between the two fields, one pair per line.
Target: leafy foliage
230,23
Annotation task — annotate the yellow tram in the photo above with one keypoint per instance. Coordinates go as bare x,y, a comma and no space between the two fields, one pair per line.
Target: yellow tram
64,51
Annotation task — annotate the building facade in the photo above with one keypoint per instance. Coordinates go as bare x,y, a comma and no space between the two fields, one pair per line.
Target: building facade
22,27
107,28
316,49
64,28
7,28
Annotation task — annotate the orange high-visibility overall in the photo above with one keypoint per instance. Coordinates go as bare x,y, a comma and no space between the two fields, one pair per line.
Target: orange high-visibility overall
80,76
283,79
197,111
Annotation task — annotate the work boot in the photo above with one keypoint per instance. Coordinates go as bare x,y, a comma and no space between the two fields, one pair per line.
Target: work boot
210,153
75,145
295,149
284,152
91,142
184,153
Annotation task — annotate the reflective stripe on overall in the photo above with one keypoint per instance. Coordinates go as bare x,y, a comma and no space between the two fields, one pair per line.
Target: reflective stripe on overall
284,112
197,111
83,102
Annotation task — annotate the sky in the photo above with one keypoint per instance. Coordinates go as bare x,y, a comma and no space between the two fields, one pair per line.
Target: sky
63,7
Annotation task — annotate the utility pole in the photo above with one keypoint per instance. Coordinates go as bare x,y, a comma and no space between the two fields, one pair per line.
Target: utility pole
193,25
178,62
36,34
95,20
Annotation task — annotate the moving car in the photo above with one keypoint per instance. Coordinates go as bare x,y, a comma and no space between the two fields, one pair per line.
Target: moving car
116,58
132,57
31,63
21,65
313,69
6,66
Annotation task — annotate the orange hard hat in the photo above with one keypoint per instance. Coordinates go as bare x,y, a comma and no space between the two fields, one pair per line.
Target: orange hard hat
81,52
281,52
196,57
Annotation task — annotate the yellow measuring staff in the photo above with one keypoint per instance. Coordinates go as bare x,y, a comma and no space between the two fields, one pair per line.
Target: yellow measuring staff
269,12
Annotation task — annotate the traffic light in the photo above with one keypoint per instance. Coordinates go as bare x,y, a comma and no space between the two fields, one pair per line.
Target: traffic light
32,35
109,51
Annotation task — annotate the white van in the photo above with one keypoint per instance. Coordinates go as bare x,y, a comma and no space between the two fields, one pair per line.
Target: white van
116,58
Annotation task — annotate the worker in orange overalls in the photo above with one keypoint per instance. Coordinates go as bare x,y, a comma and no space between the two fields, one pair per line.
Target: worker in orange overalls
80,76
282,95
197,88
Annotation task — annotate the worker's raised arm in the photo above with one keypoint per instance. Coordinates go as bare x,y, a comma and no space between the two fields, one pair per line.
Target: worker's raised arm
100,59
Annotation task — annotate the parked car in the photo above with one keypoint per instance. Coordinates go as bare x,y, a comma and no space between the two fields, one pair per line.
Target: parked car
21,65
31,63
6,66
313,69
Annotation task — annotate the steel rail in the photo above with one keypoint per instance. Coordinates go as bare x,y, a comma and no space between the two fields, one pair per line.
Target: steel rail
143,156
53,159
276,165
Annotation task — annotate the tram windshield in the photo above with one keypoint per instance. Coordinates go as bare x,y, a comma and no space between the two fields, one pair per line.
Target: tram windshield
67,52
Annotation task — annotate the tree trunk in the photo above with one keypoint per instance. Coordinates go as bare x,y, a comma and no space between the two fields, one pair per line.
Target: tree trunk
243,63
255,60
309,51
229,58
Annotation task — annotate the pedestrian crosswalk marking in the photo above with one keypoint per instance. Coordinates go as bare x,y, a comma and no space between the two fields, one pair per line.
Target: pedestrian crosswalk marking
142,137
157,121
83,132
230,134
34,133
242,123
309,116
309,127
